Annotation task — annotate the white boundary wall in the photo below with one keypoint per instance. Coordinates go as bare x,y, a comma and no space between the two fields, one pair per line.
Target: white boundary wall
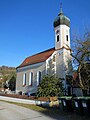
10,99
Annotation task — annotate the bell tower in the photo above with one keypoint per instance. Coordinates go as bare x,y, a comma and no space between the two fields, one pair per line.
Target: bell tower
62,47
62,30
62,44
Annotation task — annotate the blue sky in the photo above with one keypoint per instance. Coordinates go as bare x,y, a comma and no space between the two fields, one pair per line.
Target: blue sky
26,26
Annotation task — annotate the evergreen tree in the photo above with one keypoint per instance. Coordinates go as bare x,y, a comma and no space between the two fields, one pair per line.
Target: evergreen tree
50,86
12,83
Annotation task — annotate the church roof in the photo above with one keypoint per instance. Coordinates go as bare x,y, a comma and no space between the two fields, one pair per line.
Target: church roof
37,58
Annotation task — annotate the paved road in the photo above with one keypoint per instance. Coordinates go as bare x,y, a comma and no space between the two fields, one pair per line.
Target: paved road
14,112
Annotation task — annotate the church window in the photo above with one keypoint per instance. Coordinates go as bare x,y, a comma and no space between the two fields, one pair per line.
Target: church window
38,77
57,38
30,78
54,58
67,37
24,79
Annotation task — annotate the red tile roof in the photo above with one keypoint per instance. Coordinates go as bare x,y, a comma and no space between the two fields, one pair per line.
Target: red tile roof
37,58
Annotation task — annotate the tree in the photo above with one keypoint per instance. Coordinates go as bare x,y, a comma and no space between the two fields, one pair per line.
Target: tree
4,82
50,86
81,57
6,74
85,76
12,83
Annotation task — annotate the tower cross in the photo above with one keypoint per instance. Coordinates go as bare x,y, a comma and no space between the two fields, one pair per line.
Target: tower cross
60,5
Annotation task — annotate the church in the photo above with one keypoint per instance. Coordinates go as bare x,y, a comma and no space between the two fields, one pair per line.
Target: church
53,61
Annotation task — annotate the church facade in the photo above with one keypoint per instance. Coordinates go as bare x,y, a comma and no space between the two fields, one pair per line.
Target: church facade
53,61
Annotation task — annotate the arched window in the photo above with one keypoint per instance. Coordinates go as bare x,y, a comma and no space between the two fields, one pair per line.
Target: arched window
38,77
30,78
24,79
57,38
66,37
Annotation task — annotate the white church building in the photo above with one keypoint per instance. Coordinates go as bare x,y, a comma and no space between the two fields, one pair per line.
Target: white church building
53,61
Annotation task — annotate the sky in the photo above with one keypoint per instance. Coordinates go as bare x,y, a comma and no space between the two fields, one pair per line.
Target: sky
26,26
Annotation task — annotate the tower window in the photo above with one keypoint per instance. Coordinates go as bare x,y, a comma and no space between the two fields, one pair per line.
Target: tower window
57,38
67,37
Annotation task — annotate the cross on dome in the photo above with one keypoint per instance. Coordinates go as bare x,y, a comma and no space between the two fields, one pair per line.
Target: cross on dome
61,12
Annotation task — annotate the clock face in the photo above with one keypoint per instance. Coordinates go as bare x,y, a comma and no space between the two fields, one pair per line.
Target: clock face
57,31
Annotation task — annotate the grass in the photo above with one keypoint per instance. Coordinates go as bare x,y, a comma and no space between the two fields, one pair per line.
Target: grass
52,112
29,106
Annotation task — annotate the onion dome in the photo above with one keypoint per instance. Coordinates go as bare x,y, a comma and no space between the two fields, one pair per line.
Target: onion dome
61,19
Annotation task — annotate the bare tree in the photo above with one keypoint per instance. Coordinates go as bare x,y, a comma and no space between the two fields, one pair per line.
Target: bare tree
81,59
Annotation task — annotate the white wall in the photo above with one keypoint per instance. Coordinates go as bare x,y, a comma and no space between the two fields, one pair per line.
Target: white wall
31,68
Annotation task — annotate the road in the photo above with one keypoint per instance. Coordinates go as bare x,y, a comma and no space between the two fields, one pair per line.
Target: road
13,112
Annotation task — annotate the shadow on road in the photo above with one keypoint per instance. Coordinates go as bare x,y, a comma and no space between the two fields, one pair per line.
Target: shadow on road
58,114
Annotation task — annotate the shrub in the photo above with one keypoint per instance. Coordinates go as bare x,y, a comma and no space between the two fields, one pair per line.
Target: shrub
50,86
